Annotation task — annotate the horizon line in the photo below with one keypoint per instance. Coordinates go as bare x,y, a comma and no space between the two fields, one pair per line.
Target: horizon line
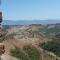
29,19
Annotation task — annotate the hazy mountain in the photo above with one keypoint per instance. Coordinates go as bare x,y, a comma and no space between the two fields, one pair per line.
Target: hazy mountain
24,22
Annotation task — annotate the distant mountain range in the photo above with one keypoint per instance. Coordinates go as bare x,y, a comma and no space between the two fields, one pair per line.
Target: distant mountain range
25,22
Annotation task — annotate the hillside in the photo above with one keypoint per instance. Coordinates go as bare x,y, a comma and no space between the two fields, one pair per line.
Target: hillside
24,42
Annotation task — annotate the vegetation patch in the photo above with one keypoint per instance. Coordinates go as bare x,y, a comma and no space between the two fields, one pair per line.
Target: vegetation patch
53,46
32,53
51,31
18,54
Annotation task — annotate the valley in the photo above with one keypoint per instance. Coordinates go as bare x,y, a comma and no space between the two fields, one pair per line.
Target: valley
32,42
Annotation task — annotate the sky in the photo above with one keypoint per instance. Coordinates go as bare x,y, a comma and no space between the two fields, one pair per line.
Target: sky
30,9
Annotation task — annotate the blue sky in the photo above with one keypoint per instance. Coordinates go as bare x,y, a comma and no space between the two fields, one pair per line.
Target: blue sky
30,9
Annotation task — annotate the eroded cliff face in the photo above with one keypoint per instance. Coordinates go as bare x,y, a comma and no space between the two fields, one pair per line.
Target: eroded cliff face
44,55
24,37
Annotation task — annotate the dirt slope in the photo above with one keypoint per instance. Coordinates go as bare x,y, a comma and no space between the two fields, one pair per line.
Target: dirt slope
7,57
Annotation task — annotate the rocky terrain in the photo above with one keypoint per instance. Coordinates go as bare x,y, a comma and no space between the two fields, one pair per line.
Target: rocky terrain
26,40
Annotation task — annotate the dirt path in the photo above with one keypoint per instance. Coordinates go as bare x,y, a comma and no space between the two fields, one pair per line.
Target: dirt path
7,57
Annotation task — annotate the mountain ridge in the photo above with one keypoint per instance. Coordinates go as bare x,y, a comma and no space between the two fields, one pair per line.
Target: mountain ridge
25,22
